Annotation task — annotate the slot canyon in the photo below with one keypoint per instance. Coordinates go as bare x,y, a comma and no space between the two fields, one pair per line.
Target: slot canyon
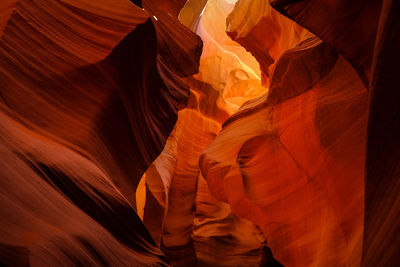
197,133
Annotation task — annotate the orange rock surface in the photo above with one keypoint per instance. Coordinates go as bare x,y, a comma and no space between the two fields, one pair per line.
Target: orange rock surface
199,133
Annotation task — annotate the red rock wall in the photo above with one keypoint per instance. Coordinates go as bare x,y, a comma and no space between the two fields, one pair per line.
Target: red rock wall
199,133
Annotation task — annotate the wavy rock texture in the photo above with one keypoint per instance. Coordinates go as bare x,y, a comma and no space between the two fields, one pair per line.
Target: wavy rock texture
350,27
263,32
224,64
191,226
291,169
81,88
366,32
199,133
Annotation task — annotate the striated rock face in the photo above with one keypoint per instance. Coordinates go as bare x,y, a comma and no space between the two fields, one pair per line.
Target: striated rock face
292,170
87,104
192,226
199,133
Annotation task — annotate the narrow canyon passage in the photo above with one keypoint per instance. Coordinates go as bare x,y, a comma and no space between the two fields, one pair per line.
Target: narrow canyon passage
199,133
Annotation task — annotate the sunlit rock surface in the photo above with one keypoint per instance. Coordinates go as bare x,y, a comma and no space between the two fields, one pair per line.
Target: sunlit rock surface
350,27
293,172
199,133
263,32
191,225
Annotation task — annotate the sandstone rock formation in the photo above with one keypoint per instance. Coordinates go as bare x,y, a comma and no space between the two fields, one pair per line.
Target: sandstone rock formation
199,133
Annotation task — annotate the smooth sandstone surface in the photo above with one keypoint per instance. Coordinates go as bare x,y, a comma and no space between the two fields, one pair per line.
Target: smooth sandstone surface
199,133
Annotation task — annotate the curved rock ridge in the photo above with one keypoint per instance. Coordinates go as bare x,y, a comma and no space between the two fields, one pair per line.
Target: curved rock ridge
224,64
286,162
60,209
178,46
349,27
264,32
366,33
192,227
88,100
191,12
